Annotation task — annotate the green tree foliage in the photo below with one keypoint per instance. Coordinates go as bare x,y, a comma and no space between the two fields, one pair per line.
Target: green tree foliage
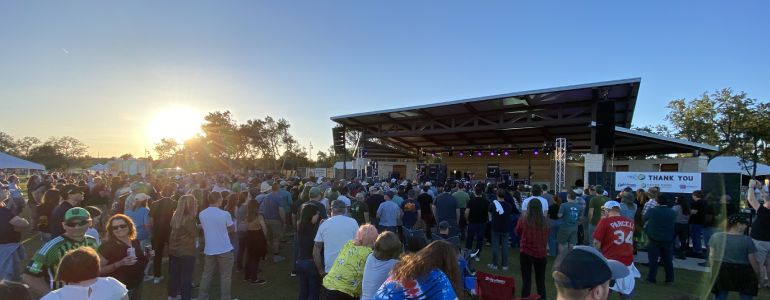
166,148
735,123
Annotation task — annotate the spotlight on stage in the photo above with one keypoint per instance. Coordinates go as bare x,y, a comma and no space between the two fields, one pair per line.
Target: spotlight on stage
491,152
478,153
536,152
505,152
461,153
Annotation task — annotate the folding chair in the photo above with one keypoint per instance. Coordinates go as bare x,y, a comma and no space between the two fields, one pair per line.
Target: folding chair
494,287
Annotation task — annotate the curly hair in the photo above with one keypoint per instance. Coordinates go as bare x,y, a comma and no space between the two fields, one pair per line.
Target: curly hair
437,255
129,222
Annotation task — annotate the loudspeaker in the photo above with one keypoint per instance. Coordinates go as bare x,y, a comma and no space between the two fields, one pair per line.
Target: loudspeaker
493,171
605,124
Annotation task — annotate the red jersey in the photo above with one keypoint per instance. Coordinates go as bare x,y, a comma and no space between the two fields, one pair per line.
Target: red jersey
616,235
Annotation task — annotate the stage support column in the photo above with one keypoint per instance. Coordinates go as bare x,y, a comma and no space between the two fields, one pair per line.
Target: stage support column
593,163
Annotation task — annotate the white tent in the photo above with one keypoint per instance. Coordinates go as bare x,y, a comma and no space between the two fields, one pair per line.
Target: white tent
732,164
98,168
8,161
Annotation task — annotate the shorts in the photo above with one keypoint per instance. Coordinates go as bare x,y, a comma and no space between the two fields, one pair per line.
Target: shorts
567,235
626,284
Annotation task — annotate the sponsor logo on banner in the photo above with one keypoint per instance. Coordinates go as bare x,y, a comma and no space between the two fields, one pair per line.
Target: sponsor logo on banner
668,182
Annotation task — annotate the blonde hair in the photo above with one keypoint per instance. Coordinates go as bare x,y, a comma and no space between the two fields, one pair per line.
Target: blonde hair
365,236
185,208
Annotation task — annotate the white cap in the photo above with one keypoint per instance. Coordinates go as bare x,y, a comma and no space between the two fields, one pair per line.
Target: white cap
393,180
611,204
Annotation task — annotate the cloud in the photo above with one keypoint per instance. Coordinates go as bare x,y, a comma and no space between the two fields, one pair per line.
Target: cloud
65,51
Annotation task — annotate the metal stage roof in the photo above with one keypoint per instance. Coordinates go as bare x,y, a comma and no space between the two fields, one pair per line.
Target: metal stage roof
516,120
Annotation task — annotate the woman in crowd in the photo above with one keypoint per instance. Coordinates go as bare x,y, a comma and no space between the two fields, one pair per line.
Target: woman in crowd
681,227
553,222
79,269
431,274
11,249
122,256
533,230
347,272
387,249
50,200
309,279
256,242
240,230
181,248
734,253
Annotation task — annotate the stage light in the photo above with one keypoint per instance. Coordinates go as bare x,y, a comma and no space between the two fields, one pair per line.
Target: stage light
536,152
478,153
491,152
505,152
433,154
461,154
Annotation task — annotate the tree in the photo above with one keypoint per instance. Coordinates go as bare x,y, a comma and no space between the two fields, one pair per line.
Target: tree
221,134
167,148
68,146
7,143
127,156
269,137
25,144
48,156
734,122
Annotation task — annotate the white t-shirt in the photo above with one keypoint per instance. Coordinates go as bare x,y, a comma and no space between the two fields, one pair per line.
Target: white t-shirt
543,202
105,288
334,233
214,222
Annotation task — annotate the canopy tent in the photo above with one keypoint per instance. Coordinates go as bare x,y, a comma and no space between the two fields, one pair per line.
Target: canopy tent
98,168
733,164
8,161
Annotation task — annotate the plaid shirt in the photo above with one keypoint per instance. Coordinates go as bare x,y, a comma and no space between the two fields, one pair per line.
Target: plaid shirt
533,240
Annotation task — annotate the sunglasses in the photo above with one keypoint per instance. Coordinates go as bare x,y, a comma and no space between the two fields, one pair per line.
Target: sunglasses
116,227
76,224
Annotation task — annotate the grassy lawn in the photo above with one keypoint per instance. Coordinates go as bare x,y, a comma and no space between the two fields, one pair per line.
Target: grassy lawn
281,286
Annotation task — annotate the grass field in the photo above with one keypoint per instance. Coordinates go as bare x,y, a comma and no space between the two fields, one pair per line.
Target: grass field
281,286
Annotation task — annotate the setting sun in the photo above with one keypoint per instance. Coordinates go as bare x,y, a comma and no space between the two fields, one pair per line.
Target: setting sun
178,122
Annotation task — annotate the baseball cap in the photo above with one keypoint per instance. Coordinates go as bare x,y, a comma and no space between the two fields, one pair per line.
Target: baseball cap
338,204
585,267
314,192
611,204
393,180
141,197
71,189
76,213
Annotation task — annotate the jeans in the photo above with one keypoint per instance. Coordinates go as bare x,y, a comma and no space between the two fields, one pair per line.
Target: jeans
527,264
696,231
500,244
553,248
180,272
682,233
475,231
514,237
274,234
723,296
159,245
661,250
309,280
222,261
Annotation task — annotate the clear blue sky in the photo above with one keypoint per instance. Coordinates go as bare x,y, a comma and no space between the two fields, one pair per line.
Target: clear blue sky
101,71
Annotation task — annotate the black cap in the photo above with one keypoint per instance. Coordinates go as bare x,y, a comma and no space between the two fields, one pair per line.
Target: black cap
71,189
585,268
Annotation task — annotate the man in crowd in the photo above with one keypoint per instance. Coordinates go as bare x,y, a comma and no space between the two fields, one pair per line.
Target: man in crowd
595,209
359,210
570,216
160,218
584,274
659,227
697,218
331,236
373,203
275,218
218,251
445,208
388,214
614,235
41,271
760,230
73,195
462,198
11,250
537,193
653,193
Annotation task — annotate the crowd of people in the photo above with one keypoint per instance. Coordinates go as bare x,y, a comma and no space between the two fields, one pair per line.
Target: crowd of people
364,239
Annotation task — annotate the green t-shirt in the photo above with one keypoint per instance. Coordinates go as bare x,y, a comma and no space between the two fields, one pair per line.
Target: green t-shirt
596,203
347,272
462,199
45,262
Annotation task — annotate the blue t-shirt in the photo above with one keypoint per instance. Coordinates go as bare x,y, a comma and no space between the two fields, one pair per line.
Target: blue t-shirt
570,213
446,208
271,203
432,286
140,217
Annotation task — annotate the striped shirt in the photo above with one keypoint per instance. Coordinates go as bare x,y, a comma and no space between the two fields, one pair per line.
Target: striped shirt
46,260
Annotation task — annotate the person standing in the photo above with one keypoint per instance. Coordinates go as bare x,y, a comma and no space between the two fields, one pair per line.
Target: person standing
256,242
160,215
346,275
462,198
659,227
595,209
698,211
681,227
122,256
275,219
614,235
307,227
181,248
411,210
426,203
500,214
569,214
735,254
331,236
760,230
388,214
446,209
40,274
373,203
533,230
218,252
11,249
477,214
74,196
359,210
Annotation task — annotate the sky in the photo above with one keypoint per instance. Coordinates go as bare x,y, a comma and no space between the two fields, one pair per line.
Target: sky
116,74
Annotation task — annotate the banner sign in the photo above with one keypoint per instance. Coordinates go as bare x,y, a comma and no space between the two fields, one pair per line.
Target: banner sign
668,182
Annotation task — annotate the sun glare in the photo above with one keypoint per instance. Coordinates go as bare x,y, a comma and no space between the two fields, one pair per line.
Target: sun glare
179,123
